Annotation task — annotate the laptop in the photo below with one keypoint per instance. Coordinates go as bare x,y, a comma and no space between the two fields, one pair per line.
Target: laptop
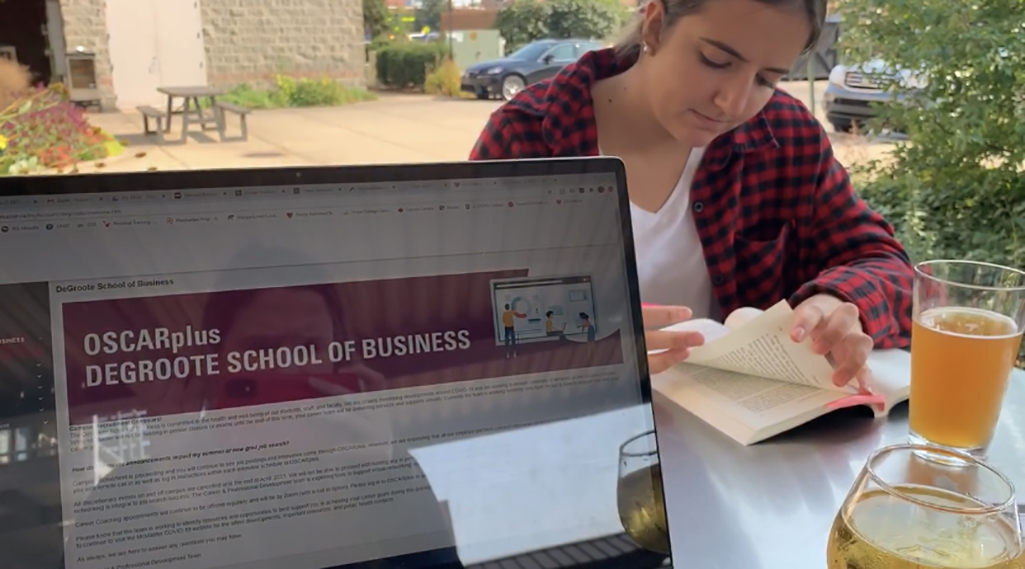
409,366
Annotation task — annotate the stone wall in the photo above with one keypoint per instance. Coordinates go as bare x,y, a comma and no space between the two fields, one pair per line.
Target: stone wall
250,41
85,25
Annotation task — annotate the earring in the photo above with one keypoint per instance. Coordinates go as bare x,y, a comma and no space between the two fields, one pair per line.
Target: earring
644,47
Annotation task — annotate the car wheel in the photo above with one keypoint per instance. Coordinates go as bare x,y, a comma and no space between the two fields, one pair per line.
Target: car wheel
842,125
511,85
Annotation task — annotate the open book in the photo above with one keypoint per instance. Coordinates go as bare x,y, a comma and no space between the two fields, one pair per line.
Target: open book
752,382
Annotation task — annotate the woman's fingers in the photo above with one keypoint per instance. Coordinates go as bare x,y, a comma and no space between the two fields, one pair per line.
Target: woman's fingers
657,317
661,340
670,348
658,363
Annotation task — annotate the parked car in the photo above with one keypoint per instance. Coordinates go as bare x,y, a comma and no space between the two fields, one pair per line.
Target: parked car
531,63
853,90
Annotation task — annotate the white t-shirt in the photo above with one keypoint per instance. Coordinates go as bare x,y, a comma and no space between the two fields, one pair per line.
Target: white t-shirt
671,265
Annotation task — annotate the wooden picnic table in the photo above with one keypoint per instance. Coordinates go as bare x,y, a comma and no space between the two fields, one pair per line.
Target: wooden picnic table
191,109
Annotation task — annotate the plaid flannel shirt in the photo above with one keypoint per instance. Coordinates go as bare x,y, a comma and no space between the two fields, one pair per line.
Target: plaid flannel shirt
775,210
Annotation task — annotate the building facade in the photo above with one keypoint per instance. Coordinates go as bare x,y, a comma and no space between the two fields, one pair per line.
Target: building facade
140,45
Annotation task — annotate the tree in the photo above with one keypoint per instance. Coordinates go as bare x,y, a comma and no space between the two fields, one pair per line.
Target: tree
429,14
956,187
524,21
376,19
590,19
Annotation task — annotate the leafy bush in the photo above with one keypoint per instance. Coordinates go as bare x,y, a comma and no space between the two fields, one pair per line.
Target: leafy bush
402,65
41,130
251,97
445,80
956,188
292,92
317,93
524,21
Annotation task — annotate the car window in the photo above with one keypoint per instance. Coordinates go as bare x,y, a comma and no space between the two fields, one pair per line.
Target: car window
531,51
563,53
582,48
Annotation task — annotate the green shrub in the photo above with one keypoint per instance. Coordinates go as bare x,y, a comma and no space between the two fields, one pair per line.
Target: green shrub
318,93
403,65
250,97
292,92
956,187
444,80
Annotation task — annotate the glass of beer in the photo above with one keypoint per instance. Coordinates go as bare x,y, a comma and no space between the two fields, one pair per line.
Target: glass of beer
967,328
908,512
639,498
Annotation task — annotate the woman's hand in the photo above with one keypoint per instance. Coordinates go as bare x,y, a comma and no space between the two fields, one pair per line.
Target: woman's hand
671,347
834,327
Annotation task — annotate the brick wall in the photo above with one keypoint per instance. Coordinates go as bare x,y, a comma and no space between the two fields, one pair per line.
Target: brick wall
250,41
85,24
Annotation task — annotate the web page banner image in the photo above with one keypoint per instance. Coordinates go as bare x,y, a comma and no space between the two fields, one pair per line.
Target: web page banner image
228,349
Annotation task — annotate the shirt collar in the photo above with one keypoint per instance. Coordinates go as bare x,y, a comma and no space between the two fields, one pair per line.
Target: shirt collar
568,123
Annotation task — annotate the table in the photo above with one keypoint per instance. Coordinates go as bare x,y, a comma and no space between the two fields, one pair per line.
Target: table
192,109
771,505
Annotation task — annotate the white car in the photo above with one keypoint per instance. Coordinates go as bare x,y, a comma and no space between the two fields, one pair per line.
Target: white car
853,91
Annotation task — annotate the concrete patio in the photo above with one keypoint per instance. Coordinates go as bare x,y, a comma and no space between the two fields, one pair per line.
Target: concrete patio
393,129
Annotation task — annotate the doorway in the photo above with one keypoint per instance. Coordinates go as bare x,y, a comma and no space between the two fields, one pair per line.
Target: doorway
23,31
153,44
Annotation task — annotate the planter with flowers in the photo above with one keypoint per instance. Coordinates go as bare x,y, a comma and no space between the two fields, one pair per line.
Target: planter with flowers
41,131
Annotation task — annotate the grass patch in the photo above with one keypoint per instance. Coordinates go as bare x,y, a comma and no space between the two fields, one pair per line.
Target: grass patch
291,92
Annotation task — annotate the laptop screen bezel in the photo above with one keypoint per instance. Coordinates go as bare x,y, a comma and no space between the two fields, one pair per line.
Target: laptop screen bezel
235,178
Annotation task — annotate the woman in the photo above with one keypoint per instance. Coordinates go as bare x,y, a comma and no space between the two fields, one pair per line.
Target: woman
736,197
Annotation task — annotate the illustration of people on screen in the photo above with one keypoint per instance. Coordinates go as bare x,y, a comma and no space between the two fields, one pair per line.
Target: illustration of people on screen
509,316
550,328
587,327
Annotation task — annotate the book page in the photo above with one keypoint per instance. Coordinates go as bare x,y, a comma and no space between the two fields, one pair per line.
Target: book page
891,374
742,406
762,347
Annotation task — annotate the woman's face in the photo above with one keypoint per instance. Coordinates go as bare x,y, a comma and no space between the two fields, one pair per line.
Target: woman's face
714,70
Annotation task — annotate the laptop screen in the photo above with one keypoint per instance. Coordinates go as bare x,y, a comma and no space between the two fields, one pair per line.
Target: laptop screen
430,366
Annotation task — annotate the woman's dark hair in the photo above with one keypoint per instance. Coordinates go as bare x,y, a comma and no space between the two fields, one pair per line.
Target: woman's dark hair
629,48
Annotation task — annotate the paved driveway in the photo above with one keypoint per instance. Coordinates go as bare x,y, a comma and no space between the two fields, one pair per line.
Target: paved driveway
395,128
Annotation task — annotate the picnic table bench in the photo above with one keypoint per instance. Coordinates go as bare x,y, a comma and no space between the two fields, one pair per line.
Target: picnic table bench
156,115
192,111
223,108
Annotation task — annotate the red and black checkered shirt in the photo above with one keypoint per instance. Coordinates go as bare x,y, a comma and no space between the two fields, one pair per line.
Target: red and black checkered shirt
775,210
